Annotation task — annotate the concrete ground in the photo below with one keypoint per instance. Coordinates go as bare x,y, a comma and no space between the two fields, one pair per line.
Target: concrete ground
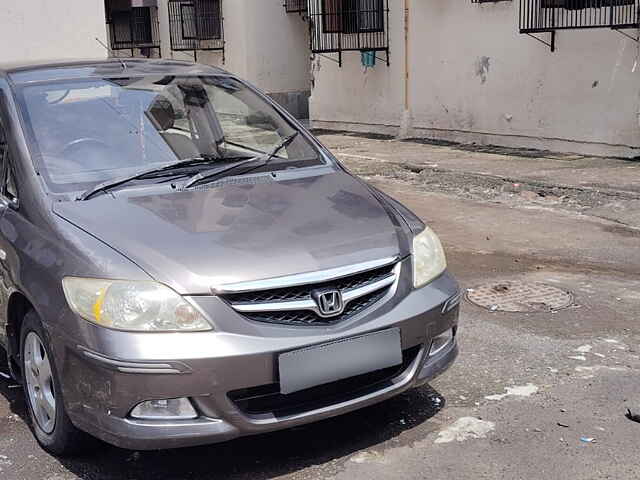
526,388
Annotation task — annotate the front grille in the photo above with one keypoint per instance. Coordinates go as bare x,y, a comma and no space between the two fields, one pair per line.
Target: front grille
275,300
302,292
267,399
307,317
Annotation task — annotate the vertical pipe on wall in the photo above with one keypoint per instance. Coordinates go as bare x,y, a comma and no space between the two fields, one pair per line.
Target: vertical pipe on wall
406,53
406,121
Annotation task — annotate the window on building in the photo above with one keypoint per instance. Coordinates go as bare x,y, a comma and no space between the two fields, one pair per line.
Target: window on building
208,19
353,16
581,4
338,26
295,6
196,24
538,16
132,28
141,25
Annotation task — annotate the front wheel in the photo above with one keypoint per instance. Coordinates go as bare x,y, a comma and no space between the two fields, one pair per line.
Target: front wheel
43,395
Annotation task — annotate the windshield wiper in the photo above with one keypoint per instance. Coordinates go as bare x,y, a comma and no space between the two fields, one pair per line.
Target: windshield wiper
102,187
245,147
252,164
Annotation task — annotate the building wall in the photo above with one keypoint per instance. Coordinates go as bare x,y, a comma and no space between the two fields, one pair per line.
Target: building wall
41,30
263,44
473,78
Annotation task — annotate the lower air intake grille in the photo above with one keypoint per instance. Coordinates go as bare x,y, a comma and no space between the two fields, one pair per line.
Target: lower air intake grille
267,399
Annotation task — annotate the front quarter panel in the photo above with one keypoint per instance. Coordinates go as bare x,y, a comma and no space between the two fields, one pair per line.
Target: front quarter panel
39,256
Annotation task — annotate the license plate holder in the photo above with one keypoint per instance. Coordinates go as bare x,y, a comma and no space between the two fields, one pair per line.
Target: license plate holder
333,361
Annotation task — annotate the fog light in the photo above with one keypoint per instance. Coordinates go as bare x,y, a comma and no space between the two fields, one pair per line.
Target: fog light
440,342
170,409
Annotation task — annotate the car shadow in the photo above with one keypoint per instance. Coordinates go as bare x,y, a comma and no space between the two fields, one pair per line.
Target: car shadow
262,456
11,390
273,454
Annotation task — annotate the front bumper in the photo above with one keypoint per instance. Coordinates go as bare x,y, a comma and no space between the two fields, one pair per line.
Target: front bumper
100,388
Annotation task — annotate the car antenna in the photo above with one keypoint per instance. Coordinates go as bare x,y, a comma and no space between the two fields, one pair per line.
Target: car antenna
124,65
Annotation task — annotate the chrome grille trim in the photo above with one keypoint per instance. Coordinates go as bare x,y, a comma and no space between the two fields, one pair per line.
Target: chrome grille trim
293,304
306,278
347,297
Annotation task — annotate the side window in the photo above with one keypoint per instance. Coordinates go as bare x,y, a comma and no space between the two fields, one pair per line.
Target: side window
10,190
3,144
4,147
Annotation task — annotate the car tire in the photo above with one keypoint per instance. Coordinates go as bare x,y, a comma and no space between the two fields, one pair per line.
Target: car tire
49,421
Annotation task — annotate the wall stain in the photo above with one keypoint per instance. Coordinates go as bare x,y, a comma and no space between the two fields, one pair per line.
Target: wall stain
595,84
482,68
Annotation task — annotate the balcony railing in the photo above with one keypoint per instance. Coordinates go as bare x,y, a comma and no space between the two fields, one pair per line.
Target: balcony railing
196,25
538,16
133,29
349,25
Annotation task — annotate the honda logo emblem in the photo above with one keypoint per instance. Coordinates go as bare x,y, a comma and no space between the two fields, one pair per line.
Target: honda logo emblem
329,302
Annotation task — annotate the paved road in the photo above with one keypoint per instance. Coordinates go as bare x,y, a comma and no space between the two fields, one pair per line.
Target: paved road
495,414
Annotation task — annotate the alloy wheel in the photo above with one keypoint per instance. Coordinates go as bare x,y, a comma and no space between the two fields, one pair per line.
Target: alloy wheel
39,379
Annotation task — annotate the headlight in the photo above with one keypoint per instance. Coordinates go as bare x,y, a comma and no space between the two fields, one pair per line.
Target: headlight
137,306
428,257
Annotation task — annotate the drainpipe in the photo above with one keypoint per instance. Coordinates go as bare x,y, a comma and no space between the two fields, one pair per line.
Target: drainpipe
406,122
635,65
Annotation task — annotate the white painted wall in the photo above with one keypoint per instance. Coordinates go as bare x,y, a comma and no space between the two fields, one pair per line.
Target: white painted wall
264,45
474,78
46,29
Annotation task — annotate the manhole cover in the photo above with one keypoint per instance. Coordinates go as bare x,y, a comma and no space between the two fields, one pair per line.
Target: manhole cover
514,296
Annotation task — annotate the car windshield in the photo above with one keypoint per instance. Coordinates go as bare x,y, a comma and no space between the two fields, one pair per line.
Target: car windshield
90,131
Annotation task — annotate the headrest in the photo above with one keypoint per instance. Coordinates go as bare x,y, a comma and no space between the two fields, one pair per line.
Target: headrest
163,113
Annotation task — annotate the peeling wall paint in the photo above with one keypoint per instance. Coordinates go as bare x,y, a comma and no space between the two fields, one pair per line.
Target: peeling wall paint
482,67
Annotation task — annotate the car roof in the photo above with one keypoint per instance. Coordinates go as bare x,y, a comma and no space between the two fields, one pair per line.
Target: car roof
42,71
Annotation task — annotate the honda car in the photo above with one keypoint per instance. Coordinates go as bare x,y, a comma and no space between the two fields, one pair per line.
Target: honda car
183,263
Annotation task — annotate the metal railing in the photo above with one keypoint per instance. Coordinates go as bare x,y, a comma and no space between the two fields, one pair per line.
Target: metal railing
337,26
538,16
296,6
196,25
133,29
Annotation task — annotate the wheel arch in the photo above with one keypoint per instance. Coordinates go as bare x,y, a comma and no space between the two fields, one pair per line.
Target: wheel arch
17,307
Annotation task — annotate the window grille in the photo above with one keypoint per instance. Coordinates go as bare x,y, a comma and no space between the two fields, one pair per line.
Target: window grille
349,25
196,25
295,6
133,28
538,16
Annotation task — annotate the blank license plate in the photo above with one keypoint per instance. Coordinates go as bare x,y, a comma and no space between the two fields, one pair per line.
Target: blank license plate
334,361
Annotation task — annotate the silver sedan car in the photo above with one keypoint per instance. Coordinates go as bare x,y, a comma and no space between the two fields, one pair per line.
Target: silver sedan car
183,263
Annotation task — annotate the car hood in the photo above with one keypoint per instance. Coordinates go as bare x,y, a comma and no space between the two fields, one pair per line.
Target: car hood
197,240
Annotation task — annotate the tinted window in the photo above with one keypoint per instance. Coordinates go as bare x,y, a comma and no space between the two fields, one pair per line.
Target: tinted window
11,192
